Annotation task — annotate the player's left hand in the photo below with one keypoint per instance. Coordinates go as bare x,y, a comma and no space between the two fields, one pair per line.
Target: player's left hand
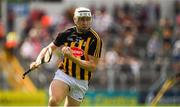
67,51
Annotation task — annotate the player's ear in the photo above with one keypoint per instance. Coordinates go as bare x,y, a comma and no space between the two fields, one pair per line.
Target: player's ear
75,20
91,20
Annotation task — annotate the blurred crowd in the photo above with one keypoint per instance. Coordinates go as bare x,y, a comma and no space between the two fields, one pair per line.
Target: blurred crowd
138,45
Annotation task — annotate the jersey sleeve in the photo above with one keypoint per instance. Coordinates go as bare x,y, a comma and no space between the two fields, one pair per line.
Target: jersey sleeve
95,48
59,40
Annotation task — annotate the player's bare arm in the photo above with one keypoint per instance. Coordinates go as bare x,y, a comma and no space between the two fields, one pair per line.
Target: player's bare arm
35,64
89,65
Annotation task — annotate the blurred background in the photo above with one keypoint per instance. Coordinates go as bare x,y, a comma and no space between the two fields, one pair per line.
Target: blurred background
141,48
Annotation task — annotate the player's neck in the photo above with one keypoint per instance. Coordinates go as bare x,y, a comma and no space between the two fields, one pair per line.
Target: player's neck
81,31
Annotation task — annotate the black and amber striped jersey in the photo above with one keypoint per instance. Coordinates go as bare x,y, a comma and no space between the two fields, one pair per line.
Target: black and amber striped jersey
82,45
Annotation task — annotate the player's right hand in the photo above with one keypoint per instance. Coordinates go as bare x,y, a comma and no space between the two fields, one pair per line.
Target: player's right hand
34,65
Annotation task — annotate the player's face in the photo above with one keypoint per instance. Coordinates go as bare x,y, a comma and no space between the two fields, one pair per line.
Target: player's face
83,23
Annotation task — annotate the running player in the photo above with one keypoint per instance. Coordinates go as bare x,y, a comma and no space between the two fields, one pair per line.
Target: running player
81,48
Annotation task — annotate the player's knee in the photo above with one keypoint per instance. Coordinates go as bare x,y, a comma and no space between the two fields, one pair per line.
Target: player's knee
53,101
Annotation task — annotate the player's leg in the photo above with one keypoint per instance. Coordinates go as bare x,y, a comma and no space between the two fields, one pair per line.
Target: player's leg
77,92
58,91
71,102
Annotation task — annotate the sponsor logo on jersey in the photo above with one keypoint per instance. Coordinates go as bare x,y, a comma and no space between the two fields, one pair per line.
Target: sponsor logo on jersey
77,51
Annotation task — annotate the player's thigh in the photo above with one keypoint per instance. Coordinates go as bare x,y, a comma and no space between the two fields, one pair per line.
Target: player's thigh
71,102
58,90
